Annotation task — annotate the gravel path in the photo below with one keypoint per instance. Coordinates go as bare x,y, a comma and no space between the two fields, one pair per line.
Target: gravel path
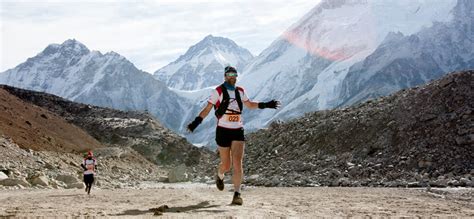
200,200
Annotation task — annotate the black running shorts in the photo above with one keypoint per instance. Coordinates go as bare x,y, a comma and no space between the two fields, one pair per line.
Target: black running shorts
224,137
88,178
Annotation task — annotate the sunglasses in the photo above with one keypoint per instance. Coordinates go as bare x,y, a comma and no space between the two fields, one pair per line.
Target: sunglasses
231,74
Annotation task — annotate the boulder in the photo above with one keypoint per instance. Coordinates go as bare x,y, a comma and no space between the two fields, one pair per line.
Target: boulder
252,178
15,182
77,185
178,174
439,183
39,180
3,176
67,179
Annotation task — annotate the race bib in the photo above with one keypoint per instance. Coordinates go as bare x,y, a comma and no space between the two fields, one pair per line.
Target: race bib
232,118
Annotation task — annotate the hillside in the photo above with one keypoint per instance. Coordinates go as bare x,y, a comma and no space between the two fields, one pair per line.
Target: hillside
40,148
32,127
417,137
115,128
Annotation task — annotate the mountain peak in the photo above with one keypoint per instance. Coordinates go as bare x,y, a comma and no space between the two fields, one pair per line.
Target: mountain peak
209,37
212,43
75,45
211,40
201,66
70,46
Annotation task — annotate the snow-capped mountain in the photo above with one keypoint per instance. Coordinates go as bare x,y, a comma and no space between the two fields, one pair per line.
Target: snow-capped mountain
307,66
72,71
202,65
407,61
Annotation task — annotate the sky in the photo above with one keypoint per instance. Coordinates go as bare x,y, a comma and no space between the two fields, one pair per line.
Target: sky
150,34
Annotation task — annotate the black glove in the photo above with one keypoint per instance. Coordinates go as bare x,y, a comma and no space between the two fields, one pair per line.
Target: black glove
193,125
270,104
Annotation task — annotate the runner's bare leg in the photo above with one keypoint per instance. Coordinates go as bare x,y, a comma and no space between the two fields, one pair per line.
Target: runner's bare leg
224,153
237,157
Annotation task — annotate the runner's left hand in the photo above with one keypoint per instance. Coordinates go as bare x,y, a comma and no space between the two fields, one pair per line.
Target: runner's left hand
273,104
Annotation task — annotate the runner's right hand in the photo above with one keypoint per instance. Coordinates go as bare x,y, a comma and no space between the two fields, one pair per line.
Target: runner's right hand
194,124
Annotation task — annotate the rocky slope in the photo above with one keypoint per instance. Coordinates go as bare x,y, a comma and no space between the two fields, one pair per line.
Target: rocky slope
118,167
32,127
423,136
115,128
40,148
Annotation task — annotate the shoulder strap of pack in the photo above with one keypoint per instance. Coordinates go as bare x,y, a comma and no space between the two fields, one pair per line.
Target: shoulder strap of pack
221,106
237,97
225,93
220,89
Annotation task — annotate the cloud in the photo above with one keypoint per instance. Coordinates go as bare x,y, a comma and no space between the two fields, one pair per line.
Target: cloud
148,33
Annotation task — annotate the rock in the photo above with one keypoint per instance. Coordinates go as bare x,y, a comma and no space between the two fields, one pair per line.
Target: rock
77,185
163,179
15,182
464,181
453,182
3,176
252,178
68,179
354,171
39,180
335,173
14,172
275,181
424,164
97,181
413,184
344,181
57,184
439,183
178,174
49,166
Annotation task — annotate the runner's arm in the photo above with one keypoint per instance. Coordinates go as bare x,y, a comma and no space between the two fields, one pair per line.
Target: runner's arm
250,104
204,112
83,167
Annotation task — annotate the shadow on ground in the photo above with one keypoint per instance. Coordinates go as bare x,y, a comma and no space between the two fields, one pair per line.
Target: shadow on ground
165,209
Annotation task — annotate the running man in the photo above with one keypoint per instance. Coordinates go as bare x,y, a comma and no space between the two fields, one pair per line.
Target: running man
89,165
228,100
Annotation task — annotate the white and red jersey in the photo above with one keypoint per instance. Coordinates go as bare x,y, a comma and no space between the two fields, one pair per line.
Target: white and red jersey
90,166
232,119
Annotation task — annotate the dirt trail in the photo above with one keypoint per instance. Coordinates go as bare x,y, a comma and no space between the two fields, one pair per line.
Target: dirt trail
199,200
